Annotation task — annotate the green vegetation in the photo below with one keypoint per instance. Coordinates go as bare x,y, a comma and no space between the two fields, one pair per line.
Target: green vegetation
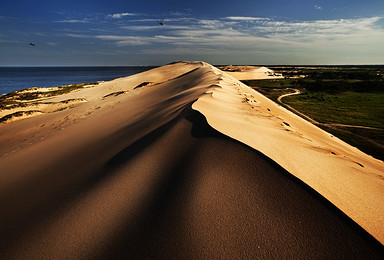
115,94
275,93
17,114
353,108
270,83
330,95
20,97
342,72
272,88
9,104
340,85
142,85
66,89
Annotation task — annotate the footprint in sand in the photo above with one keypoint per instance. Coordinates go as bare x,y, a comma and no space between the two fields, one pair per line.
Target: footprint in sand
360,164
285,123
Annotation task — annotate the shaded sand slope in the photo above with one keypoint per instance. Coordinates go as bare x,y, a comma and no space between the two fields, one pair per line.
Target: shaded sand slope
142,175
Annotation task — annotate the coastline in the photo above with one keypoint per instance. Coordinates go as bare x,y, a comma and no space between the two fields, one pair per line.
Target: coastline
19,78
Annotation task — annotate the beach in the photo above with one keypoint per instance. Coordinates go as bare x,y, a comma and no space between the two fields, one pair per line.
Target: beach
178,162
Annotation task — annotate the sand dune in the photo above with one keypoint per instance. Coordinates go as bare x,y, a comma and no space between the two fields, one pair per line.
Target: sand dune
138,171
349,178
250,72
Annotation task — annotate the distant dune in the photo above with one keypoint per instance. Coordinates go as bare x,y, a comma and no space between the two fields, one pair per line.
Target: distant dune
250,72
181,162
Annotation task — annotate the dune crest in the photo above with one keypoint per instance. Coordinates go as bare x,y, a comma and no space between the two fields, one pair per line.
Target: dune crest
138,170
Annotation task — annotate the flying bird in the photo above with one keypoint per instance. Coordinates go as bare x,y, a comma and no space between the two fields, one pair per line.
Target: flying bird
32,44
161,21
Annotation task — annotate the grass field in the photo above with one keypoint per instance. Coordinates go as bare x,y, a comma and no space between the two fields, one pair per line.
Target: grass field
353,108
274,93
270,83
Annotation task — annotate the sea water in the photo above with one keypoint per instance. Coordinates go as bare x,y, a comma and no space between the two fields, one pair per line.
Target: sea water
16,78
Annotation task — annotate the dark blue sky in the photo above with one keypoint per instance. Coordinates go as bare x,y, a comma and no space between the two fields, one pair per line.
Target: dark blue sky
120,32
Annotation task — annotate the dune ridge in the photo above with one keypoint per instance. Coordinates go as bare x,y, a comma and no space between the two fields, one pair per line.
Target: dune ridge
138,171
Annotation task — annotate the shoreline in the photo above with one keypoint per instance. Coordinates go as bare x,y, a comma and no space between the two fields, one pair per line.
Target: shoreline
19,78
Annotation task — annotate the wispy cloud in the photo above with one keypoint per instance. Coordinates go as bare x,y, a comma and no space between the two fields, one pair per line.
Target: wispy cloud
246,36
74,35
117,39
325,31
318,7
120,15
73,21
155,27
246,18
166,20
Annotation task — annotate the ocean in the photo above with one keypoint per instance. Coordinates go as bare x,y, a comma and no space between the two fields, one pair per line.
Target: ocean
16,78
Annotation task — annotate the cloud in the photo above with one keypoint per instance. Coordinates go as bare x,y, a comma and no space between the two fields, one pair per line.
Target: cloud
246,18
318,7
131,43
125,40
154,27
73,21
322,30
119,40
120,15
73,35
202,33
167,20
231,36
